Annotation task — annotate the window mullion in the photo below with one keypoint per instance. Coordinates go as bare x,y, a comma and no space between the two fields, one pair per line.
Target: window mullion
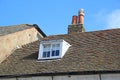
51,50
55,49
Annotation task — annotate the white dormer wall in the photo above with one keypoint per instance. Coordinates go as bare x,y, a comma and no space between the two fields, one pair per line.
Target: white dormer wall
40,51
63,48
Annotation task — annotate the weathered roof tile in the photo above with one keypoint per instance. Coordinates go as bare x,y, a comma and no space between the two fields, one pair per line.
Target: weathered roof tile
11,29
90,51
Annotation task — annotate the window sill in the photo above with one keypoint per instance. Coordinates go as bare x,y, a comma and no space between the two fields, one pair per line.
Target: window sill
53,59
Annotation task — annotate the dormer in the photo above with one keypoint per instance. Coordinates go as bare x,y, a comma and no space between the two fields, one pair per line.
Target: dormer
52,49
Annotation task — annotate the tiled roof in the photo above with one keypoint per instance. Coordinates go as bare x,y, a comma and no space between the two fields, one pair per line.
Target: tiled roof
4,30
11,29
89,51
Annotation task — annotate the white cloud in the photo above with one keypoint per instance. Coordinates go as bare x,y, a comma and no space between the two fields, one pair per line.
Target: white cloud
113,19
108,20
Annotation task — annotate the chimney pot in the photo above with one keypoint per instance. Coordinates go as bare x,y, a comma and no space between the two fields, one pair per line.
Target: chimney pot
81,17
74,19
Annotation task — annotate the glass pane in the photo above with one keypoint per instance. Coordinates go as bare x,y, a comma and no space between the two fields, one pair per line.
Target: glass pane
53,53
46,47
44,54
48,54
57,52
53,46
57,46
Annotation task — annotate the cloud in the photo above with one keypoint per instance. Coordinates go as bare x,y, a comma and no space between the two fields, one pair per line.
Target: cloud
108,20
113,19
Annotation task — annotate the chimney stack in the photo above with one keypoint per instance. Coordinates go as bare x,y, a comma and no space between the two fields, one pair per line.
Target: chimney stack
77,23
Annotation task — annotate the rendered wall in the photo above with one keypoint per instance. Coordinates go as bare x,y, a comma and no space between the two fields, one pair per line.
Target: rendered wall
8,79
71,77
77,77
10,42
36,78
110,77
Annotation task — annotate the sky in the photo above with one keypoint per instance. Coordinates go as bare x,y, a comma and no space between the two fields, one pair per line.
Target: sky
54,16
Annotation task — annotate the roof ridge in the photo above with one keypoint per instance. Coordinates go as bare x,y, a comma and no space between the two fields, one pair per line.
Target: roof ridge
17,25
84,32
11,29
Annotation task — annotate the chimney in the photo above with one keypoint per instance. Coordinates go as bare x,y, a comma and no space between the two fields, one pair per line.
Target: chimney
81,17
77,23
74,20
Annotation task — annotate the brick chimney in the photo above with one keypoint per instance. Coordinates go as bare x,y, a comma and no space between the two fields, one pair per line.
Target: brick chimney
77,24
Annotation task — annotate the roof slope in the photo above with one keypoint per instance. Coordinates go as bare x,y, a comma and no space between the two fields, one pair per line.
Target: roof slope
90,51
15,28
11,29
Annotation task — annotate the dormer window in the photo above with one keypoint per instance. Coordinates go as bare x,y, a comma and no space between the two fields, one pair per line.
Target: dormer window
52,49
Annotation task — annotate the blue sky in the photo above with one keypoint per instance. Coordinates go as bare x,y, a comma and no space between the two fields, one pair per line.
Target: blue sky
54,16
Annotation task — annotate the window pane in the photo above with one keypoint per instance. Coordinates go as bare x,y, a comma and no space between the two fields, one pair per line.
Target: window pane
57,52
46,50
57,46
48,54
53,53
44,54
46,47
53,46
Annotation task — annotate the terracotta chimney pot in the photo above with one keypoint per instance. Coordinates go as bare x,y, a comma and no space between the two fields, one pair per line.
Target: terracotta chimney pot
74,20
81,17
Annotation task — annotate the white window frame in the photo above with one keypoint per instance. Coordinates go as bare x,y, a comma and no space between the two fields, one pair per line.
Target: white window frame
62,49
51,49
51,57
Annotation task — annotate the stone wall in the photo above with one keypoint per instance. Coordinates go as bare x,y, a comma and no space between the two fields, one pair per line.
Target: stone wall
10,42
70,77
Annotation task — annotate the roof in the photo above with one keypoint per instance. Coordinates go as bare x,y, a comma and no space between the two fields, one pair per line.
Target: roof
89,51
4,30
